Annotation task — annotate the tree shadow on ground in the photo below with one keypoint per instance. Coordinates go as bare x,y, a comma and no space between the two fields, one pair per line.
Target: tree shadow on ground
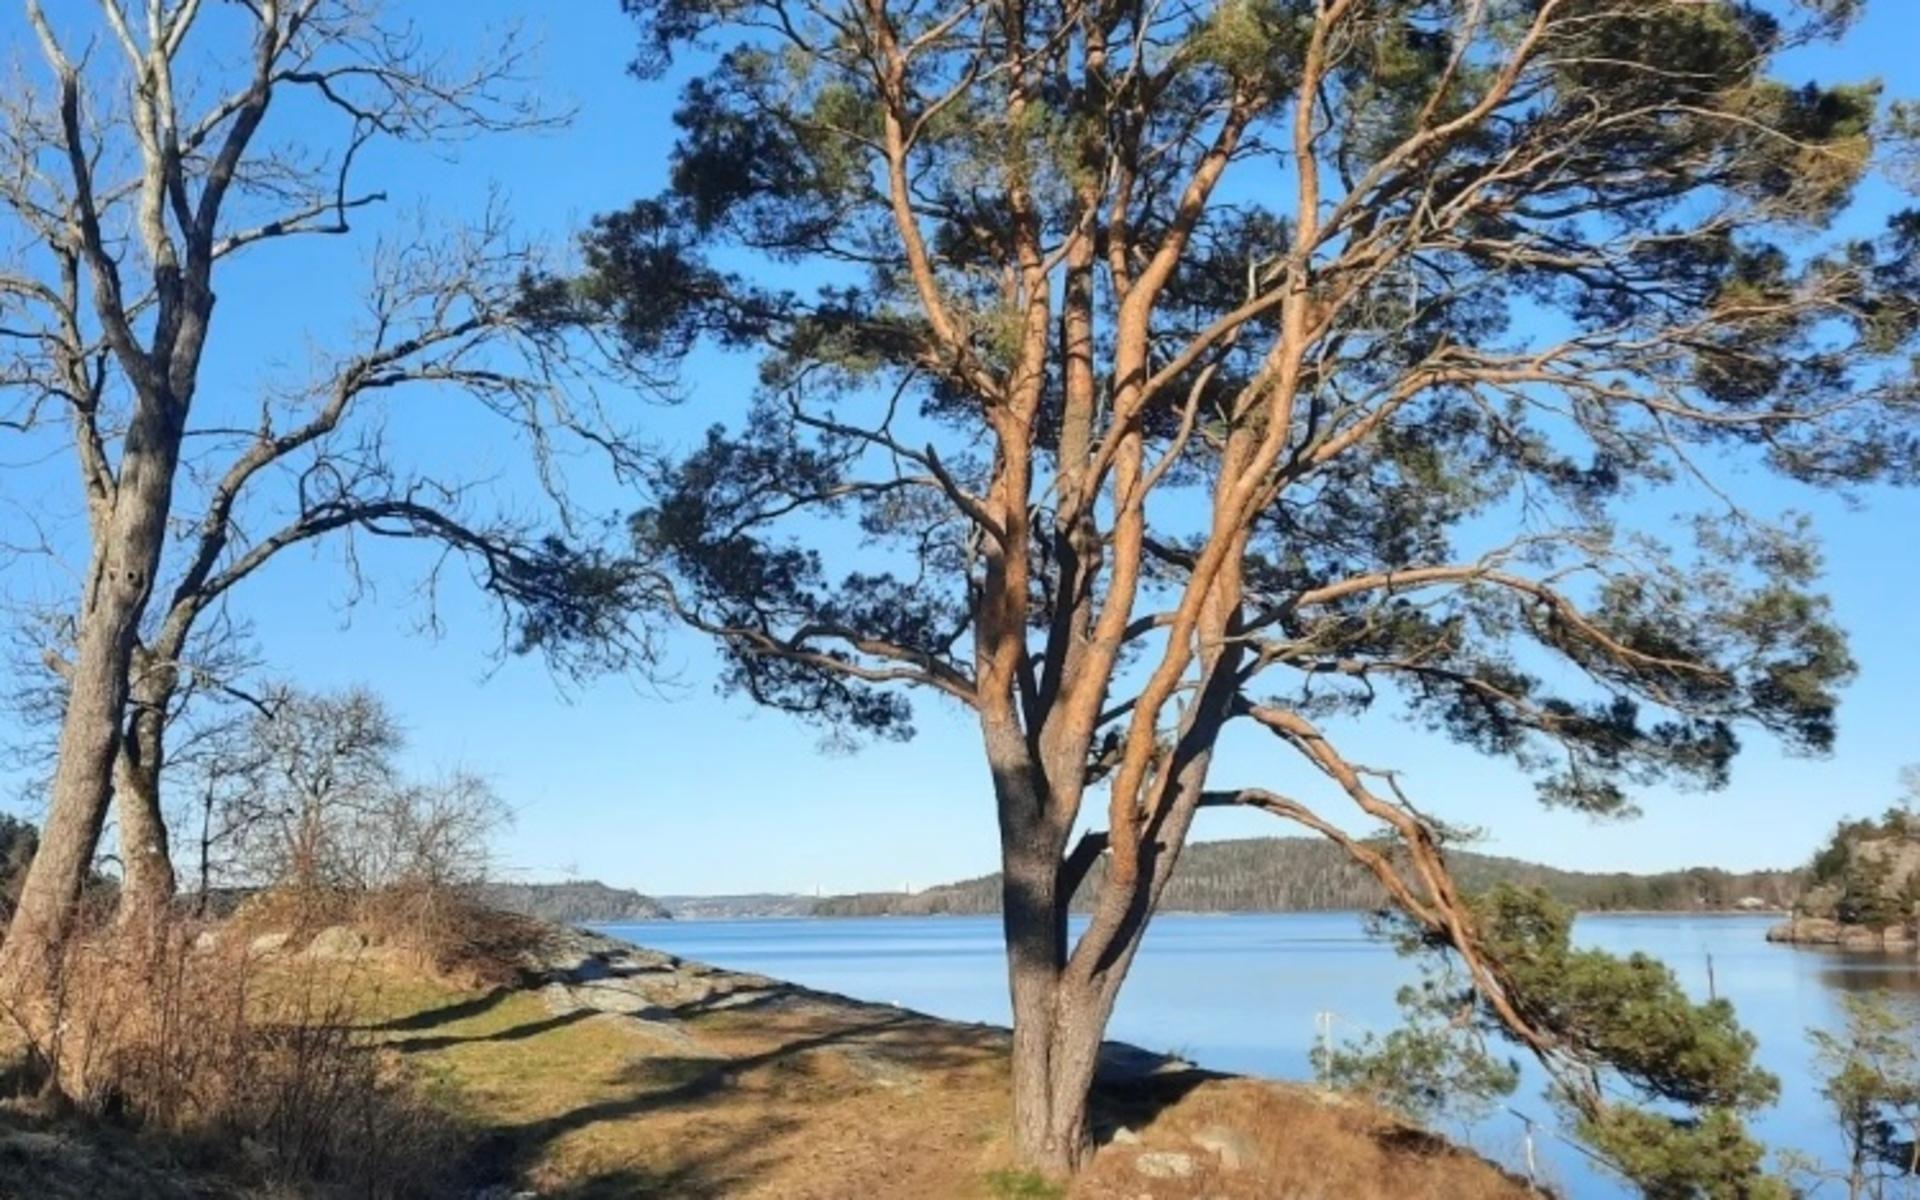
447,1014
723,1166
730,1146
514,1033
699,1080
1133,1087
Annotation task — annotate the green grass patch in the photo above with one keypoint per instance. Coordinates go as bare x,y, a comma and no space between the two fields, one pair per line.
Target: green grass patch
1023,1185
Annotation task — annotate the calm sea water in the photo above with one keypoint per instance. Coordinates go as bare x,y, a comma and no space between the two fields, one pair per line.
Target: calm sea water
1241,993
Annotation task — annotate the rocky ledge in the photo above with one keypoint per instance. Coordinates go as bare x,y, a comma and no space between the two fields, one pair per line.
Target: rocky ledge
1824,931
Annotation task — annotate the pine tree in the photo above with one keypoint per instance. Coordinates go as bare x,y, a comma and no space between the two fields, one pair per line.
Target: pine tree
1134,373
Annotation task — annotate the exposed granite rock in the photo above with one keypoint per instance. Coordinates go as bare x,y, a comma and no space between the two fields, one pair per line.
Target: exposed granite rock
1234,1149
1823,931
590,972
1164,1164
267,943
1872,873
337,941
1807,931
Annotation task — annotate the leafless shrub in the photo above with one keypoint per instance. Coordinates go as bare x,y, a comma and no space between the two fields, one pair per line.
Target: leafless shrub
256,1069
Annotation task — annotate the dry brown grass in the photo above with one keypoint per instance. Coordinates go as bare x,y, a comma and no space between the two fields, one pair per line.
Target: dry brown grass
805,1097
1303,1145
438,931
259,1075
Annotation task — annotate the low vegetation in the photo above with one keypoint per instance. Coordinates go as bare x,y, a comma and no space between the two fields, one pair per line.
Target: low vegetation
1628,1049
198,1064
1870,1070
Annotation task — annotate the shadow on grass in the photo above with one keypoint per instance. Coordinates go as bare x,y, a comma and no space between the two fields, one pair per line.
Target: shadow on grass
701,1079
723,1166
447,1014
515,1033
1132,1087
731,1147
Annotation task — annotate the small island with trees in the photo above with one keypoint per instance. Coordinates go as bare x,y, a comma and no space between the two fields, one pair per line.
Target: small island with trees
1863,887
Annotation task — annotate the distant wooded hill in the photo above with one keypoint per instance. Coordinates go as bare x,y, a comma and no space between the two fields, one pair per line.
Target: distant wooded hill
754,904
575,903
1308,874
1249,875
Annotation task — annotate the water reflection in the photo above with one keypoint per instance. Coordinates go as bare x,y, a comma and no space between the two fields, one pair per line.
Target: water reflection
1857,971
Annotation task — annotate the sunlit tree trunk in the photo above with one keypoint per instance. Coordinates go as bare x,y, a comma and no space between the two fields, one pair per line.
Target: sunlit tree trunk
146,862
120,579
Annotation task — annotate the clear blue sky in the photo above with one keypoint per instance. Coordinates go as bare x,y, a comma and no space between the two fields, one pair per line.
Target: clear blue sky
682,790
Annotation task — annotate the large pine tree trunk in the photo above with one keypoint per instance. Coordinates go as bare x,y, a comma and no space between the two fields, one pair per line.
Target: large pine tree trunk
1035,944
125,559
1058,1022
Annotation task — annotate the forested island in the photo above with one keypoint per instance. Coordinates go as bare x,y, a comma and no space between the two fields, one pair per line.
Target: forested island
1862,889
577,902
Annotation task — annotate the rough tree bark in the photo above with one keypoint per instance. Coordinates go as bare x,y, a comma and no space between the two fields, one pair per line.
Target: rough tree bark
147,881
127,547
121,577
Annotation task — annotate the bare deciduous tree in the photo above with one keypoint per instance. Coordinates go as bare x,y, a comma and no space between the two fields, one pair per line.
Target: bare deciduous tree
317,803
144,168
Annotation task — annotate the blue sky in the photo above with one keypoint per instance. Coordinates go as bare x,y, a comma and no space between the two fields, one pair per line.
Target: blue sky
673,788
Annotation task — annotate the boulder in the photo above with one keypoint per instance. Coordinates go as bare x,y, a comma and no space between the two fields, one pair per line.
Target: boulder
1234,1149
337,941
1164,1164
267,943
1807,931
1859,937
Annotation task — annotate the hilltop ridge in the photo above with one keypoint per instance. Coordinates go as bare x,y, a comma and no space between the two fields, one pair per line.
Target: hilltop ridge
575,902
1313,875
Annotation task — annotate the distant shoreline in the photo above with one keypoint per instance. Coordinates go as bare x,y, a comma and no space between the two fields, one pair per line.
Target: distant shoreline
1235,912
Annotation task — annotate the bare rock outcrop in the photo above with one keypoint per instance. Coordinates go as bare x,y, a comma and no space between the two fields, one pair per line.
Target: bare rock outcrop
1867,894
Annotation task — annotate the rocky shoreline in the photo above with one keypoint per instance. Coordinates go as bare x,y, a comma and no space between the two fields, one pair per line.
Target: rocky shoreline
1825,931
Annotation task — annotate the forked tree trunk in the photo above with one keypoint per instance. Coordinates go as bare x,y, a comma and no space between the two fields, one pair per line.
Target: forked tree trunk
1058,1021
1060,1014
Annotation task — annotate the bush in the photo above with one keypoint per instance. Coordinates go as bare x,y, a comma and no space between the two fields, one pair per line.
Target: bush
254,1072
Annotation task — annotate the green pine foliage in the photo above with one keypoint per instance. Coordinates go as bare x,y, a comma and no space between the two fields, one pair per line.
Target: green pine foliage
1657,1084
1435,1065
1870,1076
